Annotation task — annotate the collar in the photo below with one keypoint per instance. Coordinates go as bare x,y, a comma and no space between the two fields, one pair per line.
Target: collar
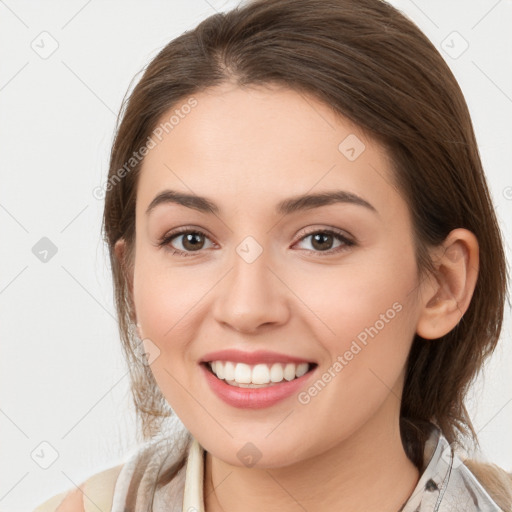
194,478
445,484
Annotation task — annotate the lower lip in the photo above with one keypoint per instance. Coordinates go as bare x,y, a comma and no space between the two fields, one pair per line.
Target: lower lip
253,398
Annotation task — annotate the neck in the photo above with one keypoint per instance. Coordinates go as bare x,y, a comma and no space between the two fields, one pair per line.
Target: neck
368,471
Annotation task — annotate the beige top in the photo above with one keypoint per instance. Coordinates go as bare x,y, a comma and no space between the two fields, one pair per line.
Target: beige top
445,484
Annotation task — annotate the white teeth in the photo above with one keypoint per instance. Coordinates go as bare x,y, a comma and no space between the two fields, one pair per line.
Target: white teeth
242,373
276,372
301,369
259,375
229,370
289,371
219,370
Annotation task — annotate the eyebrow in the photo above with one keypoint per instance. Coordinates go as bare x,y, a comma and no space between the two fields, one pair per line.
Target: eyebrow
285,207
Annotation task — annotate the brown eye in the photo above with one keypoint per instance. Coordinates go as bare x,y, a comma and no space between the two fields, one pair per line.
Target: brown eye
193,241
190,240
322,241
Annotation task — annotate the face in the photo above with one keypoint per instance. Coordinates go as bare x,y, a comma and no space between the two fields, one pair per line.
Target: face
284,284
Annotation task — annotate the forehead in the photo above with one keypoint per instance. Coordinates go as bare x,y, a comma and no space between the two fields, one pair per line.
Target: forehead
255,144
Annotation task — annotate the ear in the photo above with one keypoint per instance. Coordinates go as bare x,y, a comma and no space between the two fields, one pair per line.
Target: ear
447,295
121,252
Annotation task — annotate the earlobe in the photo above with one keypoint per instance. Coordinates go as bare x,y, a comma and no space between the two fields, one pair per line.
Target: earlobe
121,253
119,249
447,295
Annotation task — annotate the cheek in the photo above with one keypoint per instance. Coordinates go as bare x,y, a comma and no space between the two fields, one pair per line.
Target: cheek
161,295
366,324
168,302
372,295
163,304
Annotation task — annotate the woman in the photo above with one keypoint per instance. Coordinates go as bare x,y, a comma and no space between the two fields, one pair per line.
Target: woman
308,270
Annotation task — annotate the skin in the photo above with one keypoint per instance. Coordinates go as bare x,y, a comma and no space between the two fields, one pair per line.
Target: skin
246,150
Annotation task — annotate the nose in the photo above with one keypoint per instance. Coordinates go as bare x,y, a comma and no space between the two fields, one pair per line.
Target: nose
252,296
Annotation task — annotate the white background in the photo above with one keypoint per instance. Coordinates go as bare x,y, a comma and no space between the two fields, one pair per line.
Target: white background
63,379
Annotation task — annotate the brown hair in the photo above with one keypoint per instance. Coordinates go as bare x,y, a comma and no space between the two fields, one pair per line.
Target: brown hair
372,65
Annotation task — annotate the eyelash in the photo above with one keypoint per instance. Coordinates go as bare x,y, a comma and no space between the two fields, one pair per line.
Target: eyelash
167,238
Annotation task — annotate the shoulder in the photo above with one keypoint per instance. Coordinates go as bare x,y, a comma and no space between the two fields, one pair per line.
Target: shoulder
149,470
495,480
95,492
137,479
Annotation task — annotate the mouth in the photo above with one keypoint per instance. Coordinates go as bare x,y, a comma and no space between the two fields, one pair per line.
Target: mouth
260,375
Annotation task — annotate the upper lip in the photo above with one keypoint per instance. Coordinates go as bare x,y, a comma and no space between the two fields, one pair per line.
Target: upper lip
259,356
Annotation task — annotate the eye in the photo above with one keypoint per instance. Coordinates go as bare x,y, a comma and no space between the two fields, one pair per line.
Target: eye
193,240
323,240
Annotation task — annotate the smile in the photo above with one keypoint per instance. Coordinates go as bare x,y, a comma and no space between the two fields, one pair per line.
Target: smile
259,375
281,381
